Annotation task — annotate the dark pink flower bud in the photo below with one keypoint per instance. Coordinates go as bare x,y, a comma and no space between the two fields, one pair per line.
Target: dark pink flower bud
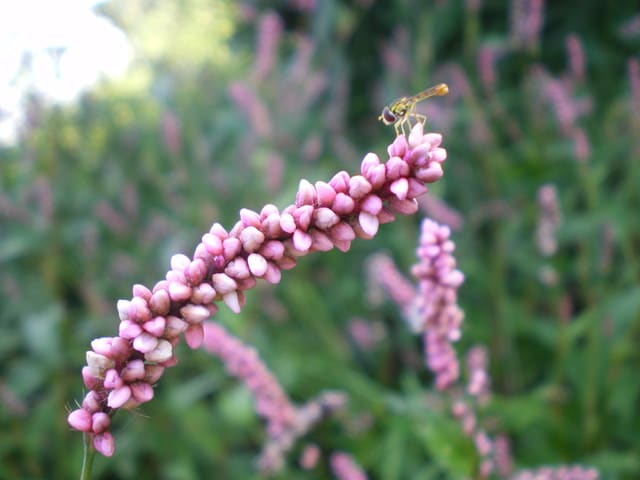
160,302
162,353
273,274
231,247
400,188
301,241
91,402
340,182
251,239
237,268
112,379
133,370
396,168
273,249
306,194
257,264
320,241
212,244
193,335
119,396
175,326
180,262
325,218
249,218
155,326
141,291
80,419
104,444
326,194
152,373
359,187
223,283
138,310
343,204
203,293
88,378
100,422
195,314
128,329
142,392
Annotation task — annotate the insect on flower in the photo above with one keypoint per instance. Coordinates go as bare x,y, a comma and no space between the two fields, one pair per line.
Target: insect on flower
400,112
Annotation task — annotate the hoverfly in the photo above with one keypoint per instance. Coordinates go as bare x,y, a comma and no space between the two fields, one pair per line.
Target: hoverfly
400,112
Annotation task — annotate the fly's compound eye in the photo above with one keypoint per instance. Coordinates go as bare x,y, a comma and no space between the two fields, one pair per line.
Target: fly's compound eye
387,116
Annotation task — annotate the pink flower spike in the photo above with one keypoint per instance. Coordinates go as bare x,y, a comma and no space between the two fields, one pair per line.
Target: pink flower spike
80,420
193,336
100,422
104,444
145,342
119,396
162,353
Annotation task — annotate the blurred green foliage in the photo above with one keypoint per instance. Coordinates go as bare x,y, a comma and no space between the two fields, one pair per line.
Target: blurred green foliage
98,195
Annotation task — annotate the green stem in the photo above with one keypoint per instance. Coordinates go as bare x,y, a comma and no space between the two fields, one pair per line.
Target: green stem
88,455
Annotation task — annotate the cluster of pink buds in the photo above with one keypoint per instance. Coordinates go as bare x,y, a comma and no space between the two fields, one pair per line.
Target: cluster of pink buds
122,370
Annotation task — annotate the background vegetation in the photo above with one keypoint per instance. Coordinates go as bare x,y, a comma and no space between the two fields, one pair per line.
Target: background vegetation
97,196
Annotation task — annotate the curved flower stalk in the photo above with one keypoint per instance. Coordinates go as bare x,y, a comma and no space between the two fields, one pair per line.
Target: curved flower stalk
286,422
121,370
